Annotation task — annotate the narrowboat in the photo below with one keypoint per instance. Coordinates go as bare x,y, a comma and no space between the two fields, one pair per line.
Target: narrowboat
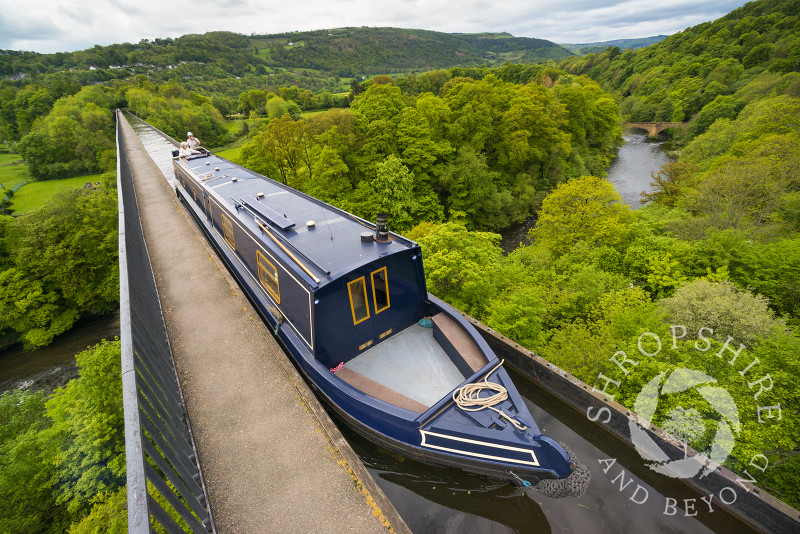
348,300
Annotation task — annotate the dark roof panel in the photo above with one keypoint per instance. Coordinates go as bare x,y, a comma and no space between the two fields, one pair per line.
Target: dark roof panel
328,236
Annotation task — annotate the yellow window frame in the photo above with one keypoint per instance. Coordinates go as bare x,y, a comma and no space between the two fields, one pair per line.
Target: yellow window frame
363,291
385,289
227,231
268,276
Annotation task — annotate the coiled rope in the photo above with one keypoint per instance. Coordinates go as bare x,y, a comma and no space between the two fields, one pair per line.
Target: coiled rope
468,398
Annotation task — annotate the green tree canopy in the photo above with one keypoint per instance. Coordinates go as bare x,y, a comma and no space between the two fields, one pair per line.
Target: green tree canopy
583,209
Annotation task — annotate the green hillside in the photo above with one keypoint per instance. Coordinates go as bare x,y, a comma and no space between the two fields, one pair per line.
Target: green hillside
676,78
349,51
342,51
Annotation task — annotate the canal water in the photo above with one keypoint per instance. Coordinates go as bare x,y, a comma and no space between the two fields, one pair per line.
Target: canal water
436,500
630,172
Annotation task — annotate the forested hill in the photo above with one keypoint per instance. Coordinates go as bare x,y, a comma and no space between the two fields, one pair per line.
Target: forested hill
342,51
348,51
675,79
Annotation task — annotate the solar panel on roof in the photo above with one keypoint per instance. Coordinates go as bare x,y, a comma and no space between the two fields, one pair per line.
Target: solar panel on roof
268,213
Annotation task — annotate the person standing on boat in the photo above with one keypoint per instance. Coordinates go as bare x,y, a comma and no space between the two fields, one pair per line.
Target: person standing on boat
192,141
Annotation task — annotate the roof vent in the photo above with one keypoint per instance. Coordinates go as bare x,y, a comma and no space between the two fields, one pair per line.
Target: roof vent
234,179
311,224
260,195
367,237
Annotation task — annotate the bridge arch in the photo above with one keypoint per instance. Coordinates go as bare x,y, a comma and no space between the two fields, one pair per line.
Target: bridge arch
652,128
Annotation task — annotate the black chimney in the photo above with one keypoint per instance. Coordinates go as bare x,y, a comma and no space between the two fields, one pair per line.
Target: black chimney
381,228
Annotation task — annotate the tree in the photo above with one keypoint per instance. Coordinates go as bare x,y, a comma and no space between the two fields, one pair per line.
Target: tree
26,470
418,149
391,192
30,311
583,209
461,266
64,266
722,107
670,183
286,144
87,424
470,191
518,315
725,309
730,197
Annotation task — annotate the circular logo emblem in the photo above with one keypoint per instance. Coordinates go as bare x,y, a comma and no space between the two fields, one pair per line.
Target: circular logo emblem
685,423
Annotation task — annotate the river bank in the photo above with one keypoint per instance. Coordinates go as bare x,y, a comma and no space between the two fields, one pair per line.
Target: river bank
53,366
630,172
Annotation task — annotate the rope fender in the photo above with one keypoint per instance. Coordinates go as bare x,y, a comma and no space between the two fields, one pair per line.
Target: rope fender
573,485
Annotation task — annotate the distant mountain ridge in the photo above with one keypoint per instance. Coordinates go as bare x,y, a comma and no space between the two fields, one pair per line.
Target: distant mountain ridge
372,50
623,44
344,52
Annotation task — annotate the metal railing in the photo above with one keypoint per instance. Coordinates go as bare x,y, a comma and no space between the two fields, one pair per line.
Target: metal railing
165,485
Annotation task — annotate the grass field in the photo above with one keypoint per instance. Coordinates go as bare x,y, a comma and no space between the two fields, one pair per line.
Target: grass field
232,125
11,174
8,157
36,194
230,153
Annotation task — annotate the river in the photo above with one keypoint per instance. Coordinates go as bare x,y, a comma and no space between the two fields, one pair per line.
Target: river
630,172
53,366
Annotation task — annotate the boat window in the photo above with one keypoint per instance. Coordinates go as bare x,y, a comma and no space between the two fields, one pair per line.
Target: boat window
268,275
227,230
358,300
380,290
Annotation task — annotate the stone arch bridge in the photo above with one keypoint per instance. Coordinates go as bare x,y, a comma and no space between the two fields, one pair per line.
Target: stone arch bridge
652,128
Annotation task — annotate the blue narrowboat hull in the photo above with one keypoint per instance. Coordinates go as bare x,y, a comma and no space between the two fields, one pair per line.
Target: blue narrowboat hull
509,446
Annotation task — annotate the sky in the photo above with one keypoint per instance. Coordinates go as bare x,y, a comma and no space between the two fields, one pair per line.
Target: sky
49,26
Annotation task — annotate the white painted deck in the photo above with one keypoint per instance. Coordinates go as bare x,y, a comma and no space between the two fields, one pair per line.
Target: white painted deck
411,363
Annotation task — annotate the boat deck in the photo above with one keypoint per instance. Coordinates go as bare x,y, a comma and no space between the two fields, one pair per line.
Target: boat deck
411,364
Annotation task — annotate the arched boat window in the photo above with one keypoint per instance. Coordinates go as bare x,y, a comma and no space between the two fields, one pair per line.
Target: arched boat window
380,290
358,300
268,275
227,230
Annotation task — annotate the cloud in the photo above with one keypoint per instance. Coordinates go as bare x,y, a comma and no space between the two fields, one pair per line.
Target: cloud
51,25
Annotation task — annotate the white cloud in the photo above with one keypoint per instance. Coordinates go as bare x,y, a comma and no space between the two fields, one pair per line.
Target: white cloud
51,26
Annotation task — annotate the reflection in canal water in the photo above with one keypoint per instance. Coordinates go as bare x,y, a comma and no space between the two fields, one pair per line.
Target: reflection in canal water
446,501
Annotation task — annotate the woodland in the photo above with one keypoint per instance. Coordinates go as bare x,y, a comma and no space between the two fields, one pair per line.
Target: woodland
454,154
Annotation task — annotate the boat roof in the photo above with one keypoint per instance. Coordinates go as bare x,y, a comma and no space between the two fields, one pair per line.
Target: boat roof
327,236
